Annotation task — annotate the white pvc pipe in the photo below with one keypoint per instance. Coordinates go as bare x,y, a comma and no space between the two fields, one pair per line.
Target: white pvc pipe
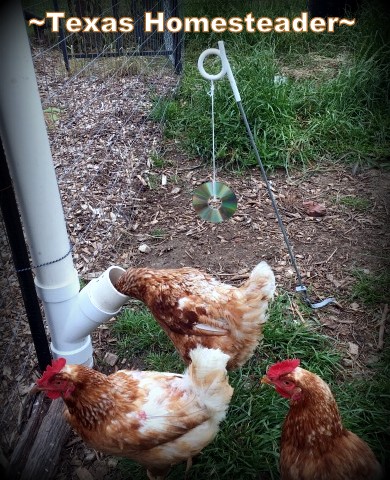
97,302
71,316
27,147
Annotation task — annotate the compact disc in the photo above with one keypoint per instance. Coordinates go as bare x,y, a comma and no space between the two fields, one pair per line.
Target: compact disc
214,202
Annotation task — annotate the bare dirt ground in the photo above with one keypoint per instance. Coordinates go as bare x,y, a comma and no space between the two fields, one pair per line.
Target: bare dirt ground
328,250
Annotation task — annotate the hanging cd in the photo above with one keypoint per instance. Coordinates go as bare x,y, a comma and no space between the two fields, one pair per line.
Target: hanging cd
214,206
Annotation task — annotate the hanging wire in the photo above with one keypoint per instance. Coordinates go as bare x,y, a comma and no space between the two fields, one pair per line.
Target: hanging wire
211,93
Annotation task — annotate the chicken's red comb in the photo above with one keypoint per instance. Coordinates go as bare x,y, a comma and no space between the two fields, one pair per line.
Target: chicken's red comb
281,368
55,367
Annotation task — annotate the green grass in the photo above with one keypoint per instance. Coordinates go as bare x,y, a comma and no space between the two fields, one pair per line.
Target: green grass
370,288
356,203
158,233
334,105
247,445
158,160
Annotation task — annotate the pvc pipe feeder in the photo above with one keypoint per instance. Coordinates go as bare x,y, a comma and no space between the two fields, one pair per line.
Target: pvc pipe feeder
71,314
75,314
97,302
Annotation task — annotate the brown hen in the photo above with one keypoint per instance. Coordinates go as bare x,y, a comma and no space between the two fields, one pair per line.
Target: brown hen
194,308
157,419
314,444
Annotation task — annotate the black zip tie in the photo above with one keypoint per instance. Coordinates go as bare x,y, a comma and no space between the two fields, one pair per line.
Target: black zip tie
18,270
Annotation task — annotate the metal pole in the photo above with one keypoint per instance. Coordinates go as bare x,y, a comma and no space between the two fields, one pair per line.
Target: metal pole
118,36
177,41
21,260
61,36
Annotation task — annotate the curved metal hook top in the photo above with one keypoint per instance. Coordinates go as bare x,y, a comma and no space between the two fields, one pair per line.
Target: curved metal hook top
225,69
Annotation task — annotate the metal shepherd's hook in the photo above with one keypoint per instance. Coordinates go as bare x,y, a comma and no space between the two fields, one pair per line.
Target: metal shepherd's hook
226,70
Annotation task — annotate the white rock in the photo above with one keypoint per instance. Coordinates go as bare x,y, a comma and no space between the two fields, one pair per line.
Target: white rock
353,348
90,457
112,462
110,358
347,362
144,248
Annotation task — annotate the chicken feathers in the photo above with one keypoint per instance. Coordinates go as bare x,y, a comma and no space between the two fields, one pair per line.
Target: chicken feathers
314,444
157,419
193,308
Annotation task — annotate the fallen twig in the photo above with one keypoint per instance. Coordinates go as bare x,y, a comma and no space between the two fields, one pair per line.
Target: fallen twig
295,309
190,168
327,260
382,326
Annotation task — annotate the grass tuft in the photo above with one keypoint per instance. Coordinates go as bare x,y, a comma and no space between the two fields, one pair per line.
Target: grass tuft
371,288
355,203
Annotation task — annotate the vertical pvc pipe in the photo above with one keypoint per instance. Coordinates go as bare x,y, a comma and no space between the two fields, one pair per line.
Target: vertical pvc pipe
26,145
27,148
71,315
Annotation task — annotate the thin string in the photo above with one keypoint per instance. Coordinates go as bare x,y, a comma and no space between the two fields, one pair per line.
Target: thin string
211,93
19,270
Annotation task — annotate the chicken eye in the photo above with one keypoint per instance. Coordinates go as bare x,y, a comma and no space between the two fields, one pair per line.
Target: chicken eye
287,383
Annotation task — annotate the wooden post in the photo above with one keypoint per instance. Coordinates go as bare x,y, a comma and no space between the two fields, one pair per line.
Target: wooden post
38,451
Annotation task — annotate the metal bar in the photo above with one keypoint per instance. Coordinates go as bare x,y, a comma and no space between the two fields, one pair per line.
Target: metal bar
271,195
177,41
61,36
118,36
21,260
123,54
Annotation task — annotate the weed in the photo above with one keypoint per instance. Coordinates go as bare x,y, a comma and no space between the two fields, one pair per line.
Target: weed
158,233
157,159
153,181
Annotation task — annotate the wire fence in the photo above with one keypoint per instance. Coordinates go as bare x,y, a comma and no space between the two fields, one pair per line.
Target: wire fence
99,117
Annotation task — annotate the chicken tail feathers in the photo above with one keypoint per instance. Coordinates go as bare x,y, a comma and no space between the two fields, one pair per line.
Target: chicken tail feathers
208,374
261,279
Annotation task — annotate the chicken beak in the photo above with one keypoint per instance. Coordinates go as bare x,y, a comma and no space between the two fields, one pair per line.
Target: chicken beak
266,380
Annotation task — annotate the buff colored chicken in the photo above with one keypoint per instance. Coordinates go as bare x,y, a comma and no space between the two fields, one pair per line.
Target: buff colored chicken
157,419
314,444
194,308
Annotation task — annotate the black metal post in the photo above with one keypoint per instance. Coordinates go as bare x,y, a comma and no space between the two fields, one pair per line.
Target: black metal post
21,261
61,36
118,36
177,41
